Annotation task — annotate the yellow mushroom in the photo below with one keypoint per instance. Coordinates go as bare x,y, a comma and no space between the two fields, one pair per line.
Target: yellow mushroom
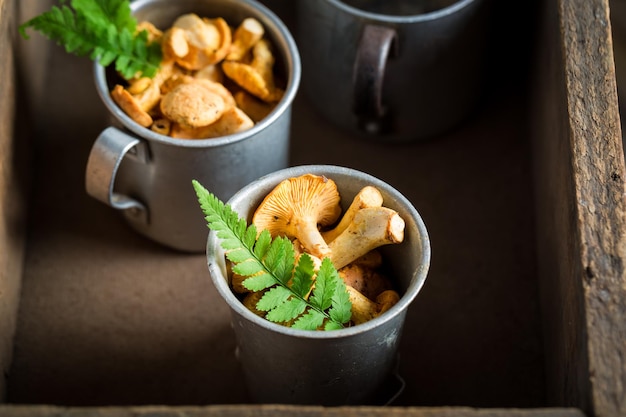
137,106
252,106
297,207
195,42
257,78
233,120
247,34
251,300
218,89
161,126
192,105
364,309
175,44
372,259
371,227
211,72
368,196
367,281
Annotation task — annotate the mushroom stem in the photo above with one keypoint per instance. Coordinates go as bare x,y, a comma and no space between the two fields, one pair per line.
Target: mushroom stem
364,309
247,34
311,238
371,227
367,281
368,197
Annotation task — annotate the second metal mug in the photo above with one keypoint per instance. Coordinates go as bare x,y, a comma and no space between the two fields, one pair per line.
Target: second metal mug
392,77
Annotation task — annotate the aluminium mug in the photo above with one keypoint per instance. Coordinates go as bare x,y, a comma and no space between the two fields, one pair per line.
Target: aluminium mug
393,70
350,366
147,176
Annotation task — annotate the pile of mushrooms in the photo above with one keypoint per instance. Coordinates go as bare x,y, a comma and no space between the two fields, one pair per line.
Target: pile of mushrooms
307,210
214,80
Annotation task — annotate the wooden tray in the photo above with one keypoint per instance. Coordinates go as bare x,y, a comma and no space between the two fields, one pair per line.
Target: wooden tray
524,309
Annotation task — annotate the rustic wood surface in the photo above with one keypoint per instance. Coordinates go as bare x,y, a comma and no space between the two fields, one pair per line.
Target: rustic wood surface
113,327
12,191
581,211
278,411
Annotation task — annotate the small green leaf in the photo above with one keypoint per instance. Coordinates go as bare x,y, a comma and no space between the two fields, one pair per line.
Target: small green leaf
248,268
333,325
303,276
280,259
262,244
286,311
238,255
259,282
273,298
324,285
311,320
341,307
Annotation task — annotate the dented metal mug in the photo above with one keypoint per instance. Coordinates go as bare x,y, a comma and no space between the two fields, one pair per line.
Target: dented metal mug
396,70
147,176
354,365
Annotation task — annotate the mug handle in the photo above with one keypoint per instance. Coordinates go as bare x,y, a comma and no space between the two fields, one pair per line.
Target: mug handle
376,45
106,155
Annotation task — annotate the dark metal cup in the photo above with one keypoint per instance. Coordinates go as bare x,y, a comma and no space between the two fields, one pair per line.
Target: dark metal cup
394,70
347,366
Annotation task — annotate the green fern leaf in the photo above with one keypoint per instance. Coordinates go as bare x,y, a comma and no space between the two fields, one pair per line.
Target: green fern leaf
325,285
286,311
262,244
238,255
248,268
341,308
270,265
116,12
332,325
303,276
259,282
311,320
273,297
280,259
101,31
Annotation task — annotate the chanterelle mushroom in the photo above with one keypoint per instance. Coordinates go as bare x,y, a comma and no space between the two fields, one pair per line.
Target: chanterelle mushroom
371,227
192,105
368,197
257,78
195,42
297,207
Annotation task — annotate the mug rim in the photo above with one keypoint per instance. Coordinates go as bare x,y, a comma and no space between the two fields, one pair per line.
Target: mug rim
412,18
292,63
416,282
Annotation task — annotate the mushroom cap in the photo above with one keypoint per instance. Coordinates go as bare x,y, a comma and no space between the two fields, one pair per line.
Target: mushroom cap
195,42
296,207
192,105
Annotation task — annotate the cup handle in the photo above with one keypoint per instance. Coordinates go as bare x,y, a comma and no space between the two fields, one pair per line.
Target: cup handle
106,155
376,45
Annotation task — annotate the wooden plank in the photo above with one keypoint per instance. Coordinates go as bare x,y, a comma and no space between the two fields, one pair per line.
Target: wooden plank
581,211
12,209
280,411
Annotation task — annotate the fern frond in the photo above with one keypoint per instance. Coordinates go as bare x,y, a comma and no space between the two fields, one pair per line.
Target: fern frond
269,264
89,30
116,12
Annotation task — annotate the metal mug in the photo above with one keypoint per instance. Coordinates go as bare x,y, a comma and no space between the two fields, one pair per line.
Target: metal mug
339,367
147,176
395,70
